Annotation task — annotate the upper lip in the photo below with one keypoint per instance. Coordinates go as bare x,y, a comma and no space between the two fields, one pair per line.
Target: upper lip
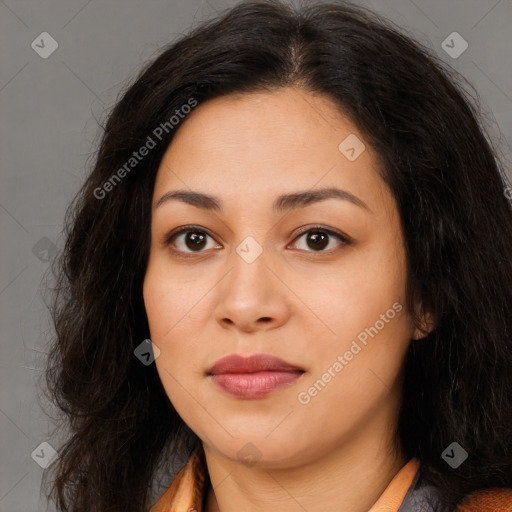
256,363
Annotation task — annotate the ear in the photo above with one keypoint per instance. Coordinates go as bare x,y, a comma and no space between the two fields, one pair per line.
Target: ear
426,323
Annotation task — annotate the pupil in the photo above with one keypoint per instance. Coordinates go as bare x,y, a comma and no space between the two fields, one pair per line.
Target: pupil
319,239
196,240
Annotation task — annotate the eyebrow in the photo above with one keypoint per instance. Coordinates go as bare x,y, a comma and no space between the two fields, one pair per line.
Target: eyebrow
282,204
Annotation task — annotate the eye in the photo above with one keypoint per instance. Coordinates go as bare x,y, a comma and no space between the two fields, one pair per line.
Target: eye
318,238
194,239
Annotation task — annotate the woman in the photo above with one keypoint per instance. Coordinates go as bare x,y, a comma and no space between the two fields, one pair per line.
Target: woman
291,268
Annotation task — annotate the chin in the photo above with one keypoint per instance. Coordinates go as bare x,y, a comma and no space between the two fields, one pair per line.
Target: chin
254,449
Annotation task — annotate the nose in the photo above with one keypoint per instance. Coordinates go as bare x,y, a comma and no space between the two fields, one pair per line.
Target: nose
252,296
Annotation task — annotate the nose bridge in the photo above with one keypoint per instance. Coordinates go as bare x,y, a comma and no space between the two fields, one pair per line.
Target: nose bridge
250,250
251,291
249,261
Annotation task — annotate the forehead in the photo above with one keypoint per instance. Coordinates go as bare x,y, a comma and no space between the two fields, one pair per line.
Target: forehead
256,145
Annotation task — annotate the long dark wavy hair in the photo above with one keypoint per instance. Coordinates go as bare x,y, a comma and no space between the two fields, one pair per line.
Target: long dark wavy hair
121,429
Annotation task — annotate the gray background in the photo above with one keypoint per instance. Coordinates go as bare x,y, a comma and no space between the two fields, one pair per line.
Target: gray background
48,128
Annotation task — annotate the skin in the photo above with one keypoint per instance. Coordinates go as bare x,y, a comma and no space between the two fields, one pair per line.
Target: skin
296,301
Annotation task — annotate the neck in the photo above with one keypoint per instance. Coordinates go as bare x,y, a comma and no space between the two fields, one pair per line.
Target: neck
350,478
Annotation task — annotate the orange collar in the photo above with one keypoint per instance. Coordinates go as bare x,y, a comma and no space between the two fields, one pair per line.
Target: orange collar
185,493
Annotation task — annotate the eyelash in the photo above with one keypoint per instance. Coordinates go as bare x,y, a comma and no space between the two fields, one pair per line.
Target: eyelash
185,229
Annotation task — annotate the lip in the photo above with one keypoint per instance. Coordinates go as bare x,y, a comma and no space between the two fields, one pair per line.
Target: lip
236,363
254,376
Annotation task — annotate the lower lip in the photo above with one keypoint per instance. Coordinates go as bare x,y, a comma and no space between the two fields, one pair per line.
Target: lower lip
254,385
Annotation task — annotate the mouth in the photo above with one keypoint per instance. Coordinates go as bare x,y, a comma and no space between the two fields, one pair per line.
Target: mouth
252,377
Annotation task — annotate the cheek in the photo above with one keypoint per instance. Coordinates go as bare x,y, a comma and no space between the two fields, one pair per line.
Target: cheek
368,326
167,322
170,299
353,295
171,307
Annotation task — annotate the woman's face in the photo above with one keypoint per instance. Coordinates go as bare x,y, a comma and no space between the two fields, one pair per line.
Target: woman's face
263,275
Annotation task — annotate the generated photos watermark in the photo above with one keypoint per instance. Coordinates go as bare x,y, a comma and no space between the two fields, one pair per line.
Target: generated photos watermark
454,455
304,397
158,133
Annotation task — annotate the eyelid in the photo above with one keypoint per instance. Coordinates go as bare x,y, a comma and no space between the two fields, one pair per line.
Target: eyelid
346,240
333,232
183,229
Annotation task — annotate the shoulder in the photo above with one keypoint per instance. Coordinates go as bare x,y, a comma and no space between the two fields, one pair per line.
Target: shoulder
496,499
